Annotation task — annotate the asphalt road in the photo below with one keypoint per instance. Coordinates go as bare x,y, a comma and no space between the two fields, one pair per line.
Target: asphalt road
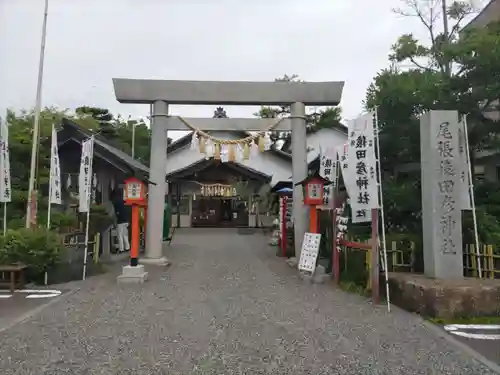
484,339
13,307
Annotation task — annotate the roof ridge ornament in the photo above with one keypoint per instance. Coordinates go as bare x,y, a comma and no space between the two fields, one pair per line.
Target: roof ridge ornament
220,112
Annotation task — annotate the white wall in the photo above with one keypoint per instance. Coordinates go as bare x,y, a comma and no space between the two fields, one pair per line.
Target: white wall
268,163
324,138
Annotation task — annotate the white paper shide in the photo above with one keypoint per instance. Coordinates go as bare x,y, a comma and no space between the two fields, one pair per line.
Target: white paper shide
55,171
362,168
5,185
85,177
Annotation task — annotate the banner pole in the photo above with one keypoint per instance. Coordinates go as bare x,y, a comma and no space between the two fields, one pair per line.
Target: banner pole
32,190
88,190
46,276
335,250
382,219
472,200
50,203
4,218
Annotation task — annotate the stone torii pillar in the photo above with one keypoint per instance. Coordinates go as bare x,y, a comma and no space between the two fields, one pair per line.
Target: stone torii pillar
162,93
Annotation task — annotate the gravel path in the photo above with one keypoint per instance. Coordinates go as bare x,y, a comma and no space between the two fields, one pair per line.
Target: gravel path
227,305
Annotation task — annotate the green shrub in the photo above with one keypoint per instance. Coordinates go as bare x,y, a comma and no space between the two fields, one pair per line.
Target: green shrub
60,221
487,225
99,219
39,249
408,243
353,267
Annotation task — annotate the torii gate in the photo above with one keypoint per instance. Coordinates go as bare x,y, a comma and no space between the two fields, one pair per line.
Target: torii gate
161,93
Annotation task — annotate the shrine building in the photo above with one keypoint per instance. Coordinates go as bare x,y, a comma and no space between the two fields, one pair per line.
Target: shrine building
209,192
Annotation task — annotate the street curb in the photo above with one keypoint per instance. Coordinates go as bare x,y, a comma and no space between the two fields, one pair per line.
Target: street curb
37,310
474,354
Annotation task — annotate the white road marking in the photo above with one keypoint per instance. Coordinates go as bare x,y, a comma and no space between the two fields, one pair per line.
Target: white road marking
457,329
38,291
477,336
39,295
454,327
33,293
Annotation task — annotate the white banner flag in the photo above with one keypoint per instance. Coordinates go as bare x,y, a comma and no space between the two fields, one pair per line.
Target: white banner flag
365,217
347,172
55,171
5,188
85,177
328,170
363,168
465,198
328,164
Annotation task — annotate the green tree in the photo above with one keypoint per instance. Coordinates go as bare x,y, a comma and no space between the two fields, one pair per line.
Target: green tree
20,140
124,134
456,70
104,118
315,120
119,132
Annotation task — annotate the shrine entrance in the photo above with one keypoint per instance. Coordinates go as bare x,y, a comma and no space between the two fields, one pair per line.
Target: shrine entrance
219,212
160,94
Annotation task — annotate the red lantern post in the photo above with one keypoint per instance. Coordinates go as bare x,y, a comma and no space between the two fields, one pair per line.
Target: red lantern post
313,197
135,196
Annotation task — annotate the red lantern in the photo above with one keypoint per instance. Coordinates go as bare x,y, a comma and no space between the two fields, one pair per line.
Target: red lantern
134,192
314,192
314,189
313,196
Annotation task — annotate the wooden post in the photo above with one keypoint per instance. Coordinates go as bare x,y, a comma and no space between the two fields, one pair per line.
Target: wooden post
335,252
97,240
375,259
283,226
145,213
474,259
491,262
134,248
313,219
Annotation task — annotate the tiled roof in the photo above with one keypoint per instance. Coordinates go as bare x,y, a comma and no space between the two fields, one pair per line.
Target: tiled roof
100,142
490,13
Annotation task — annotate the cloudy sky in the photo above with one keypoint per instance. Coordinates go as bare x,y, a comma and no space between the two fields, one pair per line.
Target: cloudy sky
91,41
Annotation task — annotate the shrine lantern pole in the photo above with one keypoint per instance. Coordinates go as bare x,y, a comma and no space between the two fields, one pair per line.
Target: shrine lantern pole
135,196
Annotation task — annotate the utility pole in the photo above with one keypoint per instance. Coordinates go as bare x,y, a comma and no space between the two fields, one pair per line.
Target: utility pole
133,141
32,193
133,136
446,33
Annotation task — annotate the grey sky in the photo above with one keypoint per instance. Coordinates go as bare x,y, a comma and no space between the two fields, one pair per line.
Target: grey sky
91,41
